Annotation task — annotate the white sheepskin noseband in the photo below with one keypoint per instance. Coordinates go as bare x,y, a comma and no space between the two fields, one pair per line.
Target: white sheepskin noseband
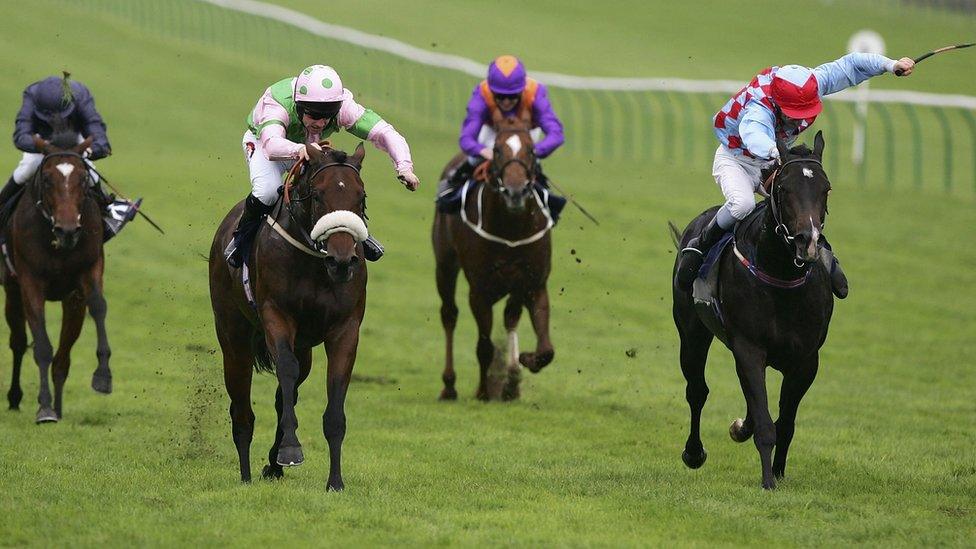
340,221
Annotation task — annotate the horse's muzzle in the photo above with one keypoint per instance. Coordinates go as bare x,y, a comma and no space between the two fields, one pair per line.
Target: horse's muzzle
515,199
341,270
807,246
66,238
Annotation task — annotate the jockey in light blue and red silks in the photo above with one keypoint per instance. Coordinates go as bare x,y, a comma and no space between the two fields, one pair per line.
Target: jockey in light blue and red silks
506,89
780,102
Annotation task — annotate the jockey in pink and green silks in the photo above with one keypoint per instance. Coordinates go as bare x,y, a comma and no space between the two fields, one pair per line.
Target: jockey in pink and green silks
297,113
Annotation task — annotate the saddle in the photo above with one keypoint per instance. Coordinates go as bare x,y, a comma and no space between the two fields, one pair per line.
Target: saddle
705,294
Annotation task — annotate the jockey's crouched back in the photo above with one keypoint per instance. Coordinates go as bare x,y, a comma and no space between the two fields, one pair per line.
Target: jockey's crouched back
60,105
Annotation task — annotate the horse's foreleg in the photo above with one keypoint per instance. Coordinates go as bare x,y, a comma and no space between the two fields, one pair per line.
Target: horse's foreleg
750,366
513,312
796,381
33,294
280,338
539,313
481,309
18,341
695,341
447,273
98,308
273,469
72,319
341,349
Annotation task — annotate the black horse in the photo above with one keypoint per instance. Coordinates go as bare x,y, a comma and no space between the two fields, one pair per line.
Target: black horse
776,306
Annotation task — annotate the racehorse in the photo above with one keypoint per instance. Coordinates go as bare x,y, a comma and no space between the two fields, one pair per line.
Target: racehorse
776,305
54,253
307,286
502,241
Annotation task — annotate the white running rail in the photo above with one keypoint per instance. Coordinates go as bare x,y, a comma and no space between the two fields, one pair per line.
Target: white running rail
477,69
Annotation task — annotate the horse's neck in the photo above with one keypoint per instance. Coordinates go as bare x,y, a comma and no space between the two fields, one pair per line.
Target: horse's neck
773,256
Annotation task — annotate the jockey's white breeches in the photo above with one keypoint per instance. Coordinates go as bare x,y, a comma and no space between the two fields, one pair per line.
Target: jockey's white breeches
265,174
30,162
739,178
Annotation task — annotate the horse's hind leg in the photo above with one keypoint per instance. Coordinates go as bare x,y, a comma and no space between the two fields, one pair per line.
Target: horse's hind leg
238,371
274,469
796,381
72,319
695,341
538,304
18,341
341,349
447,273
513,312
98,308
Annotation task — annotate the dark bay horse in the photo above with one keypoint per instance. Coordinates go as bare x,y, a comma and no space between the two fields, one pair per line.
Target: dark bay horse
309,288
54,240
776,306
502,241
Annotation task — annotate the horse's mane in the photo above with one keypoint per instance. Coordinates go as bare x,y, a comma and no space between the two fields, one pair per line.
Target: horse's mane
337,155
801,150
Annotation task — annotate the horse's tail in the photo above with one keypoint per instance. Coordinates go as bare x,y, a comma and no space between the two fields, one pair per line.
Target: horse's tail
675,234
259,348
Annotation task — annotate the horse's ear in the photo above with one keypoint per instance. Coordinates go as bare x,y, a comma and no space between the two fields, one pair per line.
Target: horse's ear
818,144
84,145
358,155
314,153
40,144
784,151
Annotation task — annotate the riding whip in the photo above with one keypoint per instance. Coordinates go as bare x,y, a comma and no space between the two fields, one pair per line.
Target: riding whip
119,193
575,203
924,56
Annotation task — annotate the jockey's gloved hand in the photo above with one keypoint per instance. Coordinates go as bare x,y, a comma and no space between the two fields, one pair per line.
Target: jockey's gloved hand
905,65
409,180
98,152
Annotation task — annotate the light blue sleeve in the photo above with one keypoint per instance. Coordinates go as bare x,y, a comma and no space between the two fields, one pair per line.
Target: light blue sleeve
757,130
850,70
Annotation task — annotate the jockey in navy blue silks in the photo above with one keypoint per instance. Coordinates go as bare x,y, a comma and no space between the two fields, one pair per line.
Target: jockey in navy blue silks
45,104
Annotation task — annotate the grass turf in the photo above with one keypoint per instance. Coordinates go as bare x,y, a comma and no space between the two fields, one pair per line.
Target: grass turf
589,456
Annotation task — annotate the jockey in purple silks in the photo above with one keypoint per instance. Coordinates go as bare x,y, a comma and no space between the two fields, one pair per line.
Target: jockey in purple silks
47,104
509,90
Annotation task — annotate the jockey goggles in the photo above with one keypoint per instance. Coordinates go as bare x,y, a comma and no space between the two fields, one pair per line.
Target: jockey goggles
319,111
507,96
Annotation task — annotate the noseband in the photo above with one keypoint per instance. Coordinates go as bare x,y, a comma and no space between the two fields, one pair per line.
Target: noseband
37,194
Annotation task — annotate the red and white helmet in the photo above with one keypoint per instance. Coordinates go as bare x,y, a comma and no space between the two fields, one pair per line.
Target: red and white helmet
794,89
319,89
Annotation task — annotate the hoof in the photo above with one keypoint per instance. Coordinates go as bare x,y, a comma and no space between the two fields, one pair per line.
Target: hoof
335,485
694,462
511,389
290,456
738,431
46,415
448,393
272,472
102,384
769,484
535,362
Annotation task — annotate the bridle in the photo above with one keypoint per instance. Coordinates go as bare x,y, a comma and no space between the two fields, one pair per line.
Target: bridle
310,246
37,184
780,228
496,171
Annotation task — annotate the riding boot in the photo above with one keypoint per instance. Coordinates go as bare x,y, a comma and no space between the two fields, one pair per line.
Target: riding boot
116,212
456,178
838,280
693,255
240,246
8,200
372,249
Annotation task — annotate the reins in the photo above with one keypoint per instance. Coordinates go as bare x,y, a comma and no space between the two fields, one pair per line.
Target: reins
780,228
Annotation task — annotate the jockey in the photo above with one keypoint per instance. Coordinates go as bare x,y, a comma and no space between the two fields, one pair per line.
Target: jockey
780,102
508,90
296,113
47,104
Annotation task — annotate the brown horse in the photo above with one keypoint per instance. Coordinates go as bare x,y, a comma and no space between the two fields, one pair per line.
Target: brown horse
54,241
502,241
309,287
